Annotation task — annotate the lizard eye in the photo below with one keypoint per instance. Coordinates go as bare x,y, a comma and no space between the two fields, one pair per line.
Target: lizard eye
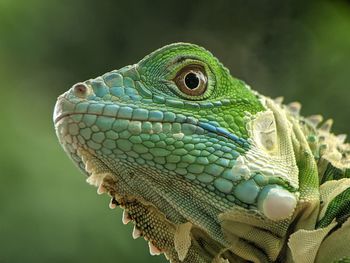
192,80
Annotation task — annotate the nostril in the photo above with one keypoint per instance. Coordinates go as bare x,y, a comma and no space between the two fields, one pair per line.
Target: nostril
80,90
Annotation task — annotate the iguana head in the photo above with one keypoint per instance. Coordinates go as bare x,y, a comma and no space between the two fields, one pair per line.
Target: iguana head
178,142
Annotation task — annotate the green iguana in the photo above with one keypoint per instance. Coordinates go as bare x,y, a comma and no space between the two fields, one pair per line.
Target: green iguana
207,169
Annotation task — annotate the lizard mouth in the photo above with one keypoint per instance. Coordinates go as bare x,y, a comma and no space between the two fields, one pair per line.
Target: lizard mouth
62,116
193,125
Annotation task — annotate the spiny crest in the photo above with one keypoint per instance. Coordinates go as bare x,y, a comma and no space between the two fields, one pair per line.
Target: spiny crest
328,148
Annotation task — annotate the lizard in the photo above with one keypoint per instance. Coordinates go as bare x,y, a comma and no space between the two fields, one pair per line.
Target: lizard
206,168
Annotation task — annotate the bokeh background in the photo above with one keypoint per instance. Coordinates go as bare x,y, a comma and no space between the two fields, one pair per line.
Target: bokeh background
298,49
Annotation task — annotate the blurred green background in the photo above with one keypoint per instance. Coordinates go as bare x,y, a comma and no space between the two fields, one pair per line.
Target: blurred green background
298,49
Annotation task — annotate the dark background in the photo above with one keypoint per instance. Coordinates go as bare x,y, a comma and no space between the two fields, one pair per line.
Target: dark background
298,49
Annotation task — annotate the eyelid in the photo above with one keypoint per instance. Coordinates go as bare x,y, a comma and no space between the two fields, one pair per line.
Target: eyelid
190,67
173,67
184,58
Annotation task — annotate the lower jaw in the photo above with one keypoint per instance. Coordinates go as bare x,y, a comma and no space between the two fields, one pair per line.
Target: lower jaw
149,222
145,217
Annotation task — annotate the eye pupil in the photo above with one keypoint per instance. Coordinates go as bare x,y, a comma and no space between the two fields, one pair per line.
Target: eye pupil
192,80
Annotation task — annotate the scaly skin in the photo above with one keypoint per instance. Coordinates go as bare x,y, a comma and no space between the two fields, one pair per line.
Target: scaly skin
207,169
